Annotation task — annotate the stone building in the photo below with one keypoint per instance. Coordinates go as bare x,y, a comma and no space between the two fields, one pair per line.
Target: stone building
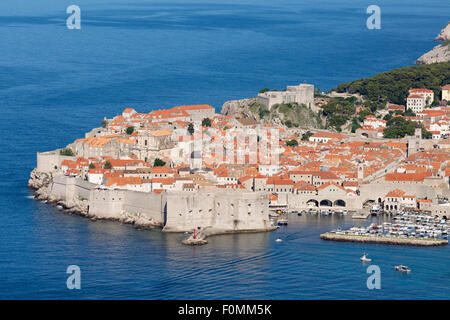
301,94
428,95
149,142
446,93
198,112
416,103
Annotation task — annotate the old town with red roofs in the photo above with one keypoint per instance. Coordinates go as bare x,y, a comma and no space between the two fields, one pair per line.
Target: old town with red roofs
191,149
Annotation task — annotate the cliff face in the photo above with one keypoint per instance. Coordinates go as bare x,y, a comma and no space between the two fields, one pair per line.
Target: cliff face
39,179
238,108
440,53
289,114
445,34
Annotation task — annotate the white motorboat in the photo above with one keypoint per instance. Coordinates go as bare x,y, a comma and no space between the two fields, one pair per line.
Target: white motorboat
402,268
282,222
365,259
279,240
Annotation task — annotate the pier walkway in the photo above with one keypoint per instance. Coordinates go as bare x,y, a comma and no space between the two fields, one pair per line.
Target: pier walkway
383,240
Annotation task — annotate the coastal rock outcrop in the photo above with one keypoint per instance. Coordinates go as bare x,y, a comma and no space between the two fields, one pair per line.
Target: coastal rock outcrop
444,35
238,108
289,114
440,53
38,179
43,183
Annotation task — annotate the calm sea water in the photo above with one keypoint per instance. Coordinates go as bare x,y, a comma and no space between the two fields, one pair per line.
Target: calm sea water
56,84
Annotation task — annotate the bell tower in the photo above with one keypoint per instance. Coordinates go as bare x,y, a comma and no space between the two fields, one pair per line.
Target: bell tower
360,171
414,143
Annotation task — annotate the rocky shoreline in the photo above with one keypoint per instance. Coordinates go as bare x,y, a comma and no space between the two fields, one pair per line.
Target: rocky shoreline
41,182
441,52
383,240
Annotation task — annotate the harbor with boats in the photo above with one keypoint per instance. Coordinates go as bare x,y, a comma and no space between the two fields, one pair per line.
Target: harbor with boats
416,229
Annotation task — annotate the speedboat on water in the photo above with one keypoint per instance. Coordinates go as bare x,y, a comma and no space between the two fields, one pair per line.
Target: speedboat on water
279,240
282,222
365,259
402,268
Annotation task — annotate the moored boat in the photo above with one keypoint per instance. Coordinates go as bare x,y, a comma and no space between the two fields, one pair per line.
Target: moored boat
365,259
402,268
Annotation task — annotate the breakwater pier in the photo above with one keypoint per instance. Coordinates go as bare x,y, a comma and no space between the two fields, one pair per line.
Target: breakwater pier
383,240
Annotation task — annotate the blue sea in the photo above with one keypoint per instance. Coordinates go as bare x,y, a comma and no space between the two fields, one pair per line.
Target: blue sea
56,84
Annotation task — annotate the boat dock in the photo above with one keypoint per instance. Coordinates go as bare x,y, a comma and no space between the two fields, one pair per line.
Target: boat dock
383,240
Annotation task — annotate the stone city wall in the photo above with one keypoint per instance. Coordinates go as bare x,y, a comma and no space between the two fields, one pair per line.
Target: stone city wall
218,211
47,161
379,189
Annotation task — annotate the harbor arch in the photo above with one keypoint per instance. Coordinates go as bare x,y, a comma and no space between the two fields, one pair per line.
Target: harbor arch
368,202
326,203
312,203
339,203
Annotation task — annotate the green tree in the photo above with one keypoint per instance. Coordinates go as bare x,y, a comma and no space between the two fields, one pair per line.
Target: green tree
288,123
104,123
264,90
362,114
355,125
338,111
263,111
159,163
426,134
292,143
190,129
130,130
398,127
206,122
107,165
306,135
66,152
409,113
393,86
388,116
91,166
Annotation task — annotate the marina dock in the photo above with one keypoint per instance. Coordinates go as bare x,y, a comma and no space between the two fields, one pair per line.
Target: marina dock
383,240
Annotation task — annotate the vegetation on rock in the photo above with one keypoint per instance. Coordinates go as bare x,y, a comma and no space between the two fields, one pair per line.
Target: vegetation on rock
393,86
399,127
66,152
